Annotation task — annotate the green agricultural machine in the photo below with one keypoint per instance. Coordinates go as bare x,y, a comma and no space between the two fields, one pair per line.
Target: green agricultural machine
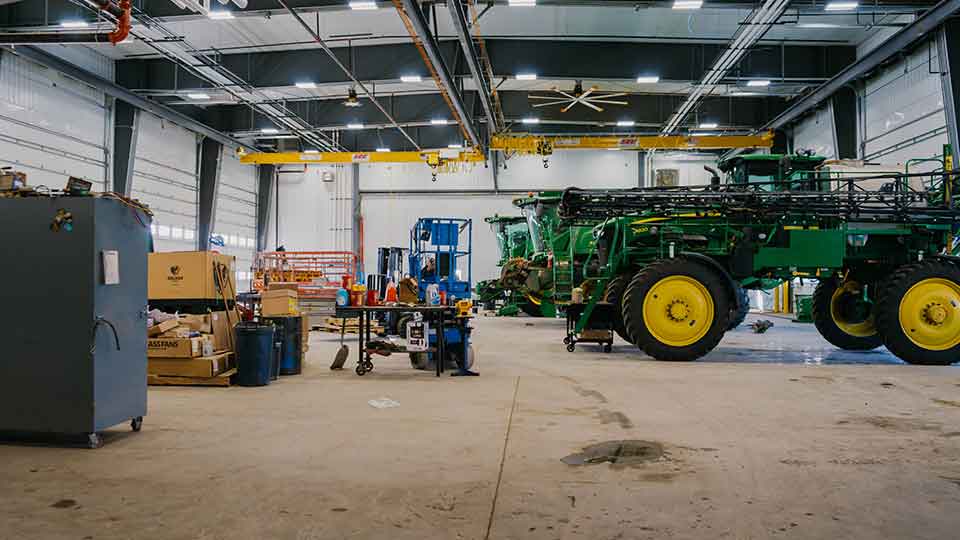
674,261
513,243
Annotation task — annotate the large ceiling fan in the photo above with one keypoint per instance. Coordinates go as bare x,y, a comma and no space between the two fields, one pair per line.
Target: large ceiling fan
589,98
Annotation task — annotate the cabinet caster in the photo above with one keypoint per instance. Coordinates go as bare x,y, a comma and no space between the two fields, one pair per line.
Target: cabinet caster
360,370
571,347
607,347
94,440
566,340
136,423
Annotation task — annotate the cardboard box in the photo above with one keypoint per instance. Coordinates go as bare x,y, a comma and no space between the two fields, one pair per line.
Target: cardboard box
279,303
199,323
205,366
223,330
12,180
165,326
187,275
175,348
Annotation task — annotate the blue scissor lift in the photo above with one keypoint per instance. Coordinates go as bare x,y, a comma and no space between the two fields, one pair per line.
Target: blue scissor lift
449,241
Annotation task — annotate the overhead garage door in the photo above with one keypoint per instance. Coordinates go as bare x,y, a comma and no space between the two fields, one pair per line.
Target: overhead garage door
904,111
236,214
50,146
164,177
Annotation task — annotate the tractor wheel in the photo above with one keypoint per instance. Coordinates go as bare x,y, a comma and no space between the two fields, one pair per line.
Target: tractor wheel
918,313
531,309
676,309
842,318
614,295
738,312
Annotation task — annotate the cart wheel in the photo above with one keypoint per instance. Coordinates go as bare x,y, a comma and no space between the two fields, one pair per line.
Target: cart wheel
94,440
607,347
368,366
136,423
360,370
566,340
571,347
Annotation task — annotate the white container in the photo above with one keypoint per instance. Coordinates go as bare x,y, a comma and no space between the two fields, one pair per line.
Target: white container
433,294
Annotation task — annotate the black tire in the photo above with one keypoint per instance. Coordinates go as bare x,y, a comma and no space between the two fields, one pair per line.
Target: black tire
402,321
614,295
715,285
823,319
421,361
136,424
889,304
738,312
531,309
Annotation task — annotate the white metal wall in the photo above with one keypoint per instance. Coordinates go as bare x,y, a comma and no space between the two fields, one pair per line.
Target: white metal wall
316,209
236,214
816,133
51,126
164,177
903,110
689,167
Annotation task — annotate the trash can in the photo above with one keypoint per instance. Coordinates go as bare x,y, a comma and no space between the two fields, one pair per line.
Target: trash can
255,353
288,333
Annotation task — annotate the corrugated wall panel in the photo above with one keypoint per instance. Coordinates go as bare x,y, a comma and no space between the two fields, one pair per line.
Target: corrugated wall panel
236,214
164,176
38,137
816,133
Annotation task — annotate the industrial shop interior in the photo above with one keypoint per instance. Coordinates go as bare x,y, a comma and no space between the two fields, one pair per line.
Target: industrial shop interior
479,269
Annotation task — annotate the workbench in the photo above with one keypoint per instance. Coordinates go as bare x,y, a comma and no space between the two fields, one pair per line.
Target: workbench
437,316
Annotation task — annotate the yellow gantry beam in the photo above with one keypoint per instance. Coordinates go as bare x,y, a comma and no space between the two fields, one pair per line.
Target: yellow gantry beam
523,144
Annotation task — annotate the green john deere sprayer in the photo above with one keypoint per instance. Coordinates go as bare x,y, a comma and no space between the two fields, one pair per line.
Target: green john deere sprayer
675,259
513,243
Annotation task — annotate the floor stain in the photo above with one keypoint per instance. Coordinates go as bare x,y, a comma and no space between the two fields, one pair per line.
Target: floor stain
947,402
658,477
895,424
64,503
951,434
585,392
611,417
952,480
630,452
797,462
338,509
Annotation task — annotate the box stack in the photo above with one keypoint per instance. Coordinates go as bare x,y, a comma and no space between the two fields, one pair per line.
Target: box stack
191,350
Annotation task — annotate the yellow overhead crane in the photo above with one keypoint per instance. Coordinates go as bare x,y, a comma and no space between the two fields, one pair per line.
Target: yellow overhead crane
538,145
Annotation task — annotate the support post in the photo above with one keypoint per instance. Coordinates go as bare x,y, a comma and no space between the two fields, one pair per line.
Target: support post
266,176
211,152
126,125
641,168
357,214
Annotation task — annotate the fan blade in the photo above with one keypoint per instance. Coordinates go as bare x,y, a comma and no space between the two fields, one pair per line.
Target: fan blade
543,97
605,102
592,106
604,96
589,91
566,95
536,105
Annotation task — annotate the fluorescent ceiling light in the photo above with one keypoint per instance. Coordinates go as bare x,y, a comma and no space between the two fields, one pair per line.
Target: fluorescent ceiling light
198,95
411,78
522,3
74,24
742,94
613,149
708,125
383,149
705,134
305,84
439,121
758,83
687,4
354,126
648,79
526,76
311,151
841,6
626,123
455,146
531,120
220,15
363,5
269,130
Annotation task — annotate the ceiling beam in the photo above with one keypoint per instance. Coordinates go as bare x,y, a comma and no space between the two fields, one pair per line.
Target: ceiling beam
919,30
458,13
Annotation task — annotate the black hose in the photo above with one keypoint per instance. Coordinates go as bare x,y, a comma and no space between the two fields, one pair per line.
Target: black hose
93,333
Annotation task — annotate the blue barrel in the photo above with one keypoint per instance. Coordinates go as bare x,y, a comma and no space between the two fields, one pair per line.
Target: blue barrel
255,353
288,334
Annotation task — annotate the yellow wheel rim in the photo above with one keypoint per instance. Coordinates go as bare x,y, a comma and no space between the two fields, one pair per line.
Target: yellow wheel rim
678,311
861,329
930,314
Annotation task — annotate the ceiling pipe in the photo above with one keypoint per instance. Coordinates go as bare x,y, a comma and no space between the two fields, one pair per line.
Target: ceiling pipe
118,34
459,16
413,13
347,72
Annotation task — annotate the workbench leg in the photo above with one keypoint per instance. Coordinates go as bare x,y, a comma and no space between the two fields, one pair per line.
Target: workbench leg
360,339
441,347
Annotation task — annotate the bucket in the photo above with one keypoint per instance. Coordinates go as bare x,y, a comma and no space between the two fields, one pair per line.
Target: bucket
254,353
346,282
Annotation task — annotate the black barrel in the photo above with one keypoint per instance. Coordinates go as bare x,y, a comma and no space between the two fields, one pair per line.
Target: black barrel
255,353
288,333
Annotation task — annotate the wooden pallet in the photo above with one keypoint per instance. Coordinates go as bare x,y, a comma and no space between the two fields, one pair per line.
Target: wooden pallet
352,326
222,379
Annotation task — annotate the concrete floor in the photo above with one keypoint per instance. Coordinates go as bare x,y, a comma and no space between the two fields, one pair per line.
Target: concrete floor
771,436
